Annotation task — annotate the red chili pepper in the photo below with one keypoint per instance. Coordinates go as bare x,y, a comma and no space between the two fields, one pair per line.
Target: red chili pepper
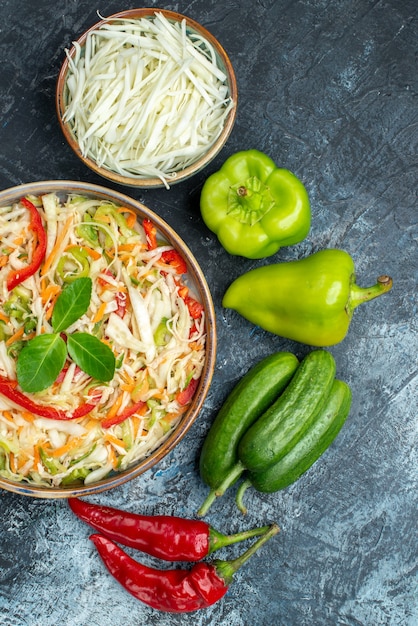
150,233
102,281
195,308
175,260
183,397
64,370
121,417
16,277
121,298
9,390
163,536
174,590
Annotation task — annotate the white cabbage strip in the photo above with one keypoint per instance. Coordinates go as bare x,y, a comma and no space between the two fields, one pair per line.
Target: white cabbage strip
146,97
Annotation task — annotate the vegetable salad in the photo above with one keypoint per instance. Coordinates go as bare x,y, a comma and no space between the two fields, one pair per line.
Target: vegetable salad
102,343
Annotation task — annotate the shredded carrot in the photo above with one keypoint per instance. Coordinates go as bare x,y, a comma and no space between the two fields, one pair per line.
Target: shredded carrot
49,292
131,218
17,335
95,254
115,406
36,456
92,423
112,456
174,414
29,417
195,345
48,312
4,260
7,415
57,246
127,247
19,240
70,445
129,387
22,460
127,377
114,440
100,313
4,317
12,461
135,423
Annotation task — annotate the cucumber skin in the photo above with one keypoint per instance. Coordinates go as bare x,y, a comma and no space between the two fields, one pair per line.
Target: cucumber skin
281,426
311,446
252,395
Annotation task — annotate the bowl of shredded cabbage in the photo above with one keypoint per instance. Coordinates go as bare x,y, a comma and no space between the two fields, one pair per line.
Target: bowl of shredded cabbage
146,97
107,339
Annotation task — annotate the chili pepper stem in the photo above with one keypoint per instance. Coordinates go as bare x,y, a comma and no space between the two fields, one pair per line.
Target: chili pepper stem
358,295
231,477
210,499
240,494
219,540
227,569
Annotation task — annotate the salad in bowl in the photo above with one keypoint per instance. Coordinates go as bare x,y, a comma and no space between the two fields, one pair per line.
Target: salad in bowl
104,318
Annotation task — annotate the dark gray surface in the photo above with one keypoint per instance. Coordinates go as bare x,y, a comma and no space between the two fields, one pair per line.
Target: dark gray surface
329,90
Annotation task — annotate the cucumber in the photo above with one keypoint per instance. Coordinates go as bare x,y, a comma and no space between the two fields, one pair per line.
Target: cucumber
311,446
285,422
253,394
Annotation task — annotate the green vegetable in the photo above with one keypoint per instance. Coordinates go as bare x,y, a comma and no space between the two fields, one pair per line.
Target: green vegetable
253,394
4,331
254,207
161,334
42,358
87,232
18,307
73,264
72,303
92,356
77,475
308,449
311,300
110,211
40,362
285,421
52,465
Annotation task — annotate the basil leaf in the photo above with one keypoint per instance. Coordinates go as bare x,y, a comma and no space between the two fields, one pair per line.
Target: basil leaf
72,303
92,355
40,362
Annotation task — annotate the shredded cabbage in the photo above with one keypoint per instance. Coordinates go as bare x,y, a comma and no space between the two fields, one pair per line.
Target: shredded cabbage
137,308
145,97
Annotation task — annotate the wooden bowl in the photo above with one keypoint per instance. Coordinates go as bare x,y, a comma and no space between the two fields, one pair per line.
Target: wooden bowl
147,181
196,281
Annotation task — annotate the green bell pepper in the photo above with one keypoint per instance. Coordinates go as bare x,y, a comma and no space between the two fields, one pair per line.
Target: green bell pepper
254,207
73,264
311,300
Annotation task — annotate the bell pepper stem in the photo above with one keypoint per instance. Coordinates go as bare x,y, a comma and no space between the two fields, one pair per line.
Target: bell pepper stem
227,569
240,494
218,540
230,478
358,295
